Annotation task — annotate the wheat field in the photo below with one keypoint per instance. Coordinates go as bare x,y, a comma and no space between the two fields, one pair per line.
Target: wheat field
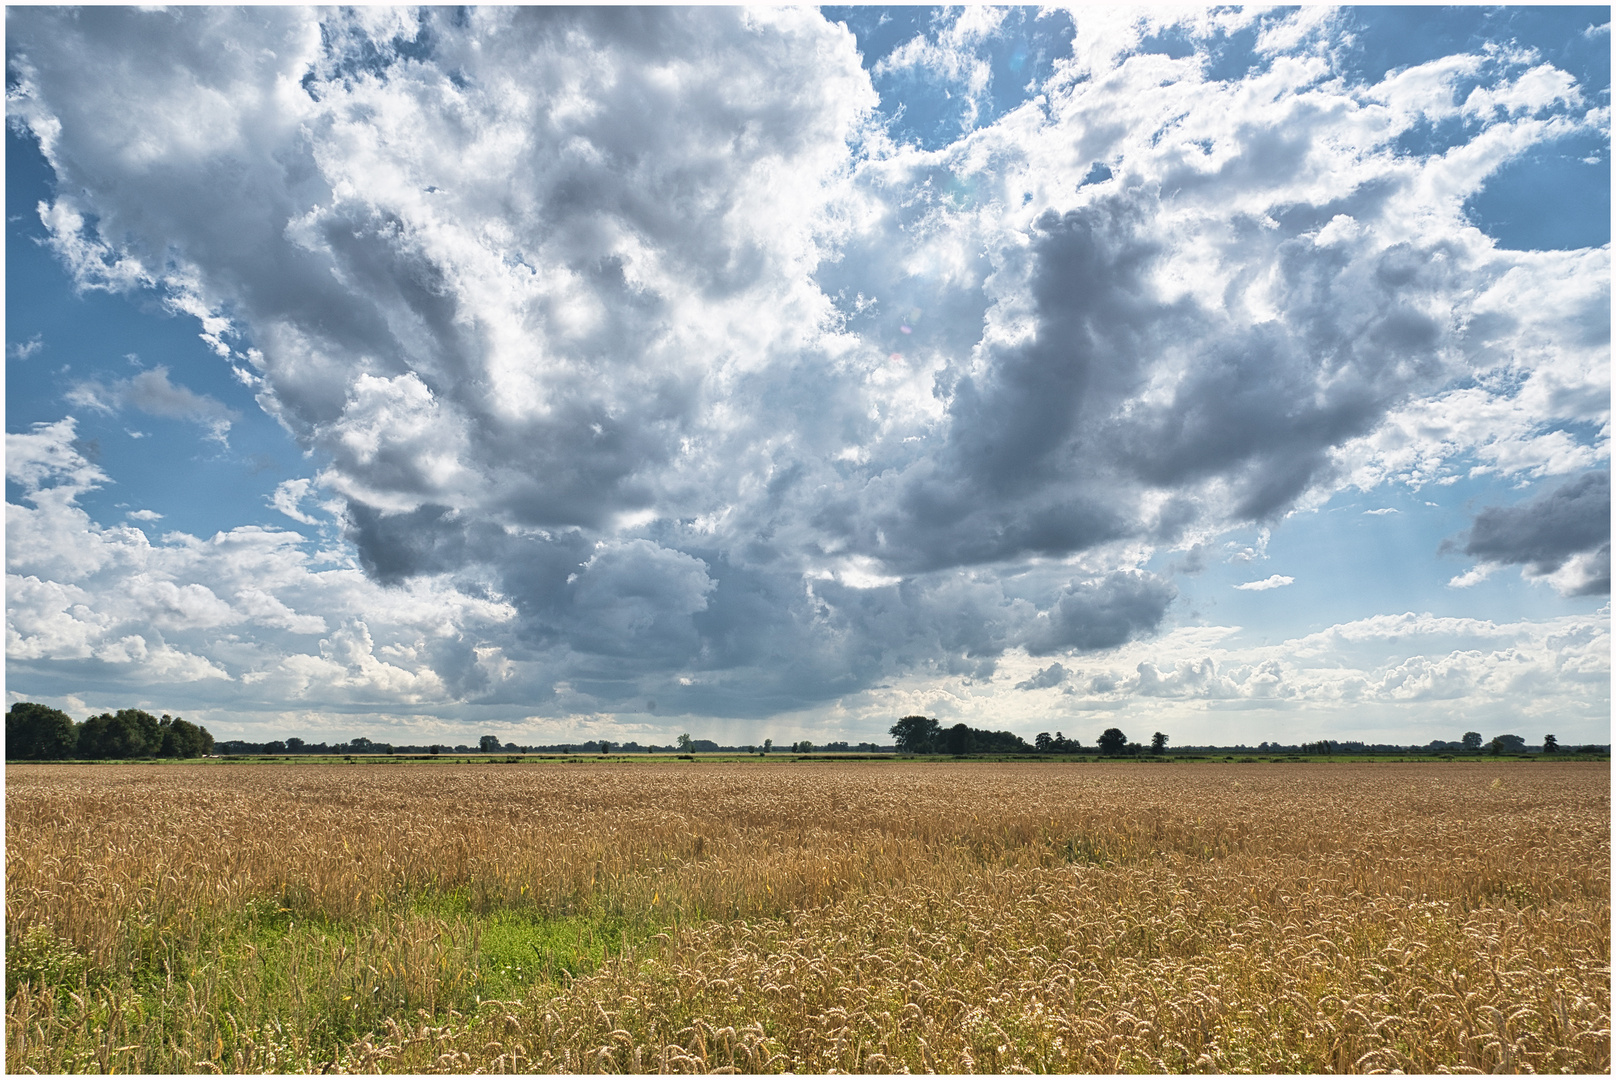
808,917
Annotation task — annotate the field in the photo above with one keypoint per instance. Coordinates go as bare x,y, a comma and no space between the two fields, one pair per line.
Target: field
770,917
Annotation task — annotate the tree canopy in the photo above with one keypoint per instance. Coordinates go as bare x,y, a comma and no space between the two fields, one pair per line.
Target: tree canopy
923,735
1113,742
915,735
40,733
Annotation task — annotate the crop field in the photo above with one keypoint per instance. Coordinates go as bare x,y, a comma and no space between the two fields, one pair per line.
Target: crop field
808,917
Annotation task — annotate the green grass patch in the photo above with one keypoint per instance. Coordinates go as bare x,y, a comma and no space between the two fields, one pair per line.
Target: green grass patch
240,981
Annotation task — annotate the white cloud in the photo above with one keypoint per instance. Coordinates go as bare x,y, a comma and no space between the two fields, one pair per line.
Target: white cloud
1399,678
89,601
22,350
1473,576
952,55
288,498
1273,581
50,452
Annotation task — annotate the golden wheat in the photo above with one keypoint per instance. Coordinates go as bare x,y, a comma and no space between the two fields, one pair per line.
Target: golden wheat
769,917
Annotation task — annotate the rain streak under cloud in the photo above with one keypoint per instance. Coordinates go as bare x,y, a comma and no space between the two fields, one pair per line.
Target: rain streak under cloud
1223,373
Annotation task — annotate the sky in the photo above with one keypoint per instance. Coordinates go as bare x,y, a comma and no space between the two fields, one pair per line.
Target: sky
558,374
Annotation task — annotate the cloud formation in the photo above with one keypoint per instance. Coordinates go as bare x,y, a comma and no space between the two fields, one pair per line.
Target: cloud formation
1273,581
249,608
1563,534
636,339
1053,675
152,393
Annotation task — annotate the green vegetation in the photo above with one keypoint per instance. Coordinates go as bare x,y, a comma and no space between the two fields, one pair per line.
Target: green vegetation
39,733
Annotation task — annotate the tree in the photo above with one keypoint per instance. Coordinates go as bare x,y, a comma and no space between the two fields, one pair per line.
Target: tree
1113,742
1471,740
1043,742
1508,744
1158,743
1551,745
38,732
915,734
295,745
182,739
605,747
684,742
957,739
127,733
488,744
768,744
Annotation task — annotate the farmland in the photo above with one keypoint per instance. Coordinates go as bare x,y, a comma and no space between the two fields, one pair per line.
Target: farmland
761,916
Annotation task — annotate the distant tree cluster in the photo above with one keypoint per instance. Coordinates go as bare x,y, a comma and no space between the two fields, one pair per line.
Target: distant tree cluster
362,745
37,732
923,735
1057,743
1471,742
1111,743
490,744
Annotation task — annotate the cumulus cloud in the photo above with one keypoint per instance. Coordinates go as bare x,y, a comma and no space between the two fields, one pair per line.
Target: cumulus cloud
91,607
1053,675
1099,614
634,338
1420,671
50,453
1565,529
1404,678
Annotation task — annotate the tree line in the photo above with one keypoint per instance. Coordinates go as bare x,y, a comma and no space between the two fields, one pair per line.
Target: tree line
490,744
924,735
1471,743
37,732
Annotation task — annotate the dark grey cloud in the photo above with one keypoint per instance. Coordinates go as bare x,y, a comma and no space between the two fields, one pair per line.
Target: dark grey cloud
1546,532
1095,323
1263,408
1053,675
427,540
1101,614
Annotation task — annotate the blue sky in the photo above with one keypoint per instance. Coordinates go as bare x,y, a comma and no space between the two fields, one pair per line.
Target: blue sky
1239,374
